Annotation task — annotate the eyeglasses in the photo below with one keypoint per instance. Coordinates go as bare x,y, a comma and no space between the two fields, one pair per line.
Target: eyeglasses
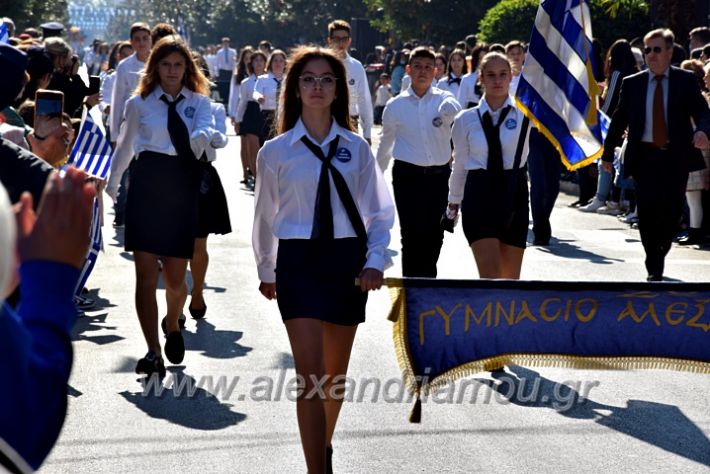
309,81
339,39
655,49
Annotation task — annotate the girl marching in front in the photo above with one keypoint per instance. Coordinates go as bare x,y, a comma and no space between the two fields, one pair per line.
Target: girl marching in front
490,150
266,92
249,115
168,125
322,219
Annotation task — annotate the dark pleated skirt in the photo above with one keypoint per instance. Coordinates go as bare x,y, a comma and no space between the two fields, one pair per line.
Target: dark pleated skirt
251,122
268,131
162,203
213,213
491,208
316,279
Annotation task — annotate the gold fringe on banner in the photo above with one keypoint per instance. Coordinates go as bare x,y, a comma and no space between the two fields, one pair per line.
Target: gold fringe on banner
418,386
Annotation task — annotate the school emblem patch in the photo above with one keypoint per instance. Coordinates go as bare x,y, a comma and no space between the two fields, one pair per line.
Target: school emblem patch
343,155
437,122
189,112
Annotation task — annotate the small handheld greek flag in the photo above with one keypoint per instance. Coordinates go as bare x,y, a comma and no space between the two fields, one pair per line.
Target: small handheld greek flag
92,151
557,90
4,36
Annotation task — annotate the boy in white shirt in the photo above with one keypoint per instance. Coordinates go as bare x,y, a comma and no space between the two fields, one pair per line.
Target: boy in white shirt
383,93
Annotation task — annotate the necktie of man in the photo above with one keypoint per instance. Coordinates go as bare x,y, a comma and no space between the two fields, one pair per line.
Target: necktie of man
492,132
660,130
323,212
179,135
226,58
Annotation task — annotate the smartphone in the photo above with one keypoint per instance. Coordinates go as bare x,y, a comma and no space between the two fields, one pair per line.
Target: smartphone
94,85
49,106
48,103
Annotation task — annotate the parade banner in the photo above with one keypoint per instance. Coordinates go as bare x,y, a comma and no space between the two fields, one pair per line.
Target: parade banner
448,329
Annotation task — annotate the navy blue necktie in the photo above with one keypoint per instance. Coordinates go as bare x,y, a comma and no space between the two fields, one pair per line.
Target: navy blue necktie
323,212
492,132
179,134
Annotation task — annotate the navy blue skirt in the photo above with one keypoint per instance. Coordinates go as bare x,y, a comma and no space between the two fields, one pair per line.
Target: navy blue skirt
316,279
251,123
161,207
213,213
496,206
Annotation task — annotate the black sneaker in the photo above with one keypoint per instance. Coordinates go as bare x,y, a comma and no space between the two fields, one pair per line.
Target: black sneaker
150,364
164,323
175,347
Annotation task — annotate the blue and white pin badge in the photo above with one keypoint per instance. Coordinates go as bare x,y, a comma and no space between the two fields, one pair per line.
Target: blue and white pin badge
189,112
511,123
437,122
351,82
343,155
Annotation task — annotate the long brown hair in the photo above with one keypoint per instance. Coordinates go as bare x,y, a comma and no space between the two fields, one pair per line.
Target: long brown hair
194,79
290,101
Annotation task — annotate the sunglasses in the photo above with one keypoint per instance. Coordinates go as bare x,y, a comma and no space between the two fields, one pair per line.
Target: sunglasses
655,49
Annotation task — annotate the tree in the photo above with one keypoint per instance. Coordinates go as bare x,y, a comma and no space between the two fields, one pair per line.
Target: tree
441,21
514,19
678,15
31,13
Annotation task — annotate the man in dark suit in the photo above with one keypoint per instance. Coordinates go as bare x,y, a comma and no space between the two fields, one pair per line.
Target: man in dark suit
660,107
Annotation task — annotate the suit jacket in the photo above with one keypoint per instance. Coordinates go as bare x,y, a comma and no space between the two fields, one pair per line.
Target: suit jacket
685,102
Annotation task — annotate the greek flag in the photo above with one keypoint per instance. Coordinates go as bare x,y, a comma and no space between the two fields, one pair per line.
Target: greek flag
97,244
91,152
557,89
4,36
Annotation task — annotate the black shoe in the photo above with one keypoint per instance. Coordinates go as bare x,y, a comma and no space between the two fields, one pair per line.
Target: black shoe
694,237
329,460
654,277
197,313
541,242
151,364
118,221
164,323
175,347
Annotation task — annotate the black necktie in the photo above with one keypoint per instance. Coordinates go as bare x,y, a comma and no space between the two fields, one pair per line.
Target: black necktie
177,129
495,149
278,86
323,212
453,80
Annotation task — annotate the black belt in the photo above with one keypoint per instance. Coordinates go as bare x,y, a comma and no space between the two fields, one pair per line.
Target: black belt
654,146
412,168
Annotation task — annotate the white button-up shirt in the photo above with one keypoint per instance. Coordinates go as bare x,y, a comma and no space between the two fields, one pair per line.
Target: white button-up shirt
447,84
418,129
146,128
471,147
219,131
246,94
233,104
225,59
128,74
286,195
650,94
360,99
467,90
267,86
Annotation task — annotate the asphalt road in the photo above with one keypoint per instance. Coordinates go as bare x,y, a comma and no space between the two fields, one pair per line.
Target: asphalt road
597,421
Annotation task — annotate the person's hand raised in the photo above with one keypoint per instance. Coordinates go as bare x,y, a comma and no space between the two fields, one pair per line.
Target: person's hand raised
59,231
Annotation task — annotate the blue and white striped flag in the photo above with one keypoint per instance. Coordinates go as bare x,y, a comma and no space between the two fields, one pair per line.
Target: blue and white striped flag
92,151
4,36
557,90
97,244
